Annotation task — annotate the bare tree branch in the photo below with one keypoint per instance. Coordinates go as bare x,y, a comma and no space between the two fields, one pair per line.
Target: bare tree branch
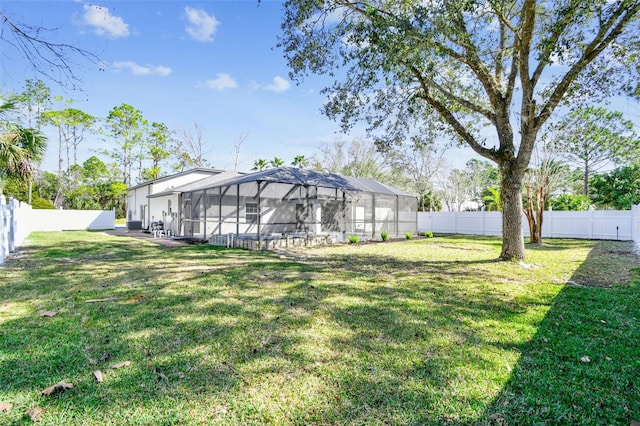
47,58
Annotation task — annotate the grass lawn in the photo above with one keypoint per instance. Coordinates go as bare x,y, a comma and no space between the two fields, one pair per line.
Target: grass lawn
428,331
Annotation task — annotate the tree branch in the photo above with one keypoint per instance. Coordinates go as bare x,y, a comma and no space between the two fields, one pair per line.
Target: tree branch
607,33
457,125
43,55
463,102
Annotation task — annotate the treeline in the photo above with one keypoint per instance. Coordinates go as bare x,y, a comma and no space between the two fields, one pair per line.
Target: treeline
589,158
135,150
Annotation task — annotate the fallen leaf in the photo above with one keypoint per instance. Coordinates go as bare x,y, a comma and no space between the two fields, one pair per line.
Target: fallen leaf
609,359
60,386
98,376
49,314
35,414
134,298
84,319
585,359
5,407
121,364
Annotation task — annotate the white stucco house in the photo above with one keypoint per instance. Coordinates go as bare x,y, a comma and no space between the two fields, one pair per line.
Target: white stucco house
145,206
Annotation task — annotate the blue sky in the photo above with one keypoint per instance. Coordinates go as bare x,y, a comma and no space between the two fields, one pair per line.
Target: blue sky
214,63
180,62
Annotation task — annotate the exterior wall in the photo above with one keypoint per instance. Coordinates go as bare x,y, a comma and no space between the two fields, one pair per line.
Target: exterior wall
136,200
170,182
165,209
146,210
621,225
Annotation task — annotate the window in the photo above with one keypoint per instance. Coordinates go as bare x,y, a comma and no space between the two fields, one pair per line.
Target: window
251,212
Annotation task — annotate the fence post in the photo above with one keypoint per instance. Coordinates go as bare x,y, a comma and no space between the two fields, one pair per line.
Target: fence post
12,224
4,230
455,222
635,225
485,221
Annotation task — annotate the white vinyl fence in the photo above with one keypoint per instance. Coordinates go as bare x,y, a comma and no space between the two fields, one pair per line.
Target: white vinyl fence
621,225
18,220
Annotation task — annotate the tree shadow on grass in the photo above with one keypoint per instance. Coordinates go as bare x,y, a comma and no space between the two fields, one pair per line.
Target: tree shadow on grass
583,364
238,337
190,321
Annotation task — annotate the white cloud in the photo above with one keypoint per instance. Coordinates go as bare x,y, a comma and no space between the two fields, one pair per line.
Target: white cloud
279,85
136,69
221,82
103,22
202,26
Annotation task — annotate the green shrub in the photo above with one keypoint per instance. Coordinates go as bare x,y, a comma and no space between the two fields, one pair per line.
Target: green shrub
428,234
384,235
571,202
353,239
408,235
42,204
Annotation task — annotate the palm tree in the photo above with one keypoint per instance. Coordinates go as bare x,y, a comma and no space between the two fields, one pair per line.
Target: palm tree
20,147
276,162
300,162
492,199
260,164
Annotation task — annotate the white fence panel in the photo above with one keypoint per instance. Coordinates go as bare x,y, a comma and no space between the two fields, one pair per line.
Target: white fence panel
18,220
70,220
21,223
621,225
4,229
470,223
635,226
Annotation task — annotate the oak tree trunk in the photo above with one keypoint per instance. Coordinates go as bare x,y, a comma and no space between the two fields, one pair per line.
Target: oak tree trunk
512,235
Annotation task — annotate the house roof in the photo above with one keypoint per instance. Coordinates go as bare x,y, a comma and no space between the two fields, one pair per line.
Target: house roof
295,176
186,172
207,182
286,175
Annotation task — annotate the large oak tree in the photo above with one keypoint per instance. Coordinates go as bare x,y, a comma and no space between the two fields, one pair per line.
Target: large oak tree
504,65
